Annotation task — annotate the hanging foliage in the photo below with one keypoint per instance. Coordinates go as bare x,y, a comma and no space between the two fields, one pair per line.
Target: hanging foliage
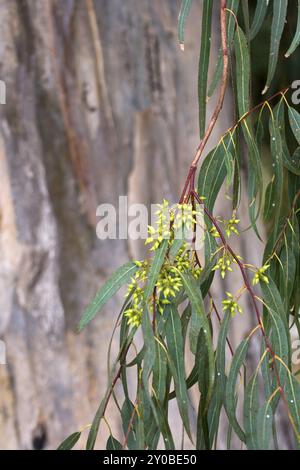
169,295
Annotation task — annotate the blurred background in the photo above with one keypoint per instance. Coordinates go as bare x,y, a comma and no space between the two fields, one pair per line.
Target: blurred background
100,102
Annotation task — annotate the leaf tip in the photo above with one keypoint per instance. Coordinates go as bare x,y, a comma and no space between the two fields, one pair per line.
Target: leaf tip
265,90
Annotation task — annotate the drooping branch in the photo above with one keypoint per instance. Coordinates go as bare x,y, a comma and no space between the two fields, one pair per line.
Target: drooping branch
252,294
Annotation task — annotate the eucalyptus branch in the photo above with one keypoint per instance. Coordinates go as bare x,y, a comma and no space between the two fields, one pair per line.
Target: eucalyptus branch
251,293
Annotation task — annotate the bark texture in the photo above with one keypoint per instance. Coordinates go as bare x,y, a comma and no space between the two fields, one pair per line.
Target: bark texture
101,102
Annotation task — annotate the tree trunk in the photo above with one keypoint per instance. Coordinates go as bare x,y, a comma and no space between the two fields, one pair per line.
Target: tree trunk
100,102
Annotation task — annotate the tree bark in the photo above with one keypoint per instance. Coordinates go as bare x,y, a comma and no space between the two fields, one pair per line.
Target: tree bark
101,102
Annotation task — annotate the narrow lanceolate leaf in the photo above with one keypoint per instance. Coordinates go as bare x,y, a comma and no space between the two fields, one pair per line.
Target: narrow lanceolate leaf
176,352
202,361
243,100
273,299
292,162
280,344
148,364
264,426
150,349
292,393
157,263
220,360
209,422
117,280
259,16
204,62
155,410
129,423
160,416
278,22
242,71
70,441
277,165
232,6
196,300
96,423
196,324
237,362
160,368
251,408
270,197
213,171
287,273
294,118
113,444
296,39
184,11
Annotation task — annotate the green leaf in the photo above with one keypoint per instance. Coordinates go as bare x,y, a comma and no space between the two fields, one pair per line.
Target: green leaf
251,408
213,171
210,246
292,393
218,398
150,348
204,63
292,163
176,352
185,318
148,364
280,343
264,426
243,101
196,300
242,71
278,22
184,11
270,197
126,416
96,423
273,299
196,324
287,273
159,412
229,162
113,444
277,166
70,441
156,266
160,416
202,361
294,118
101,409
160,368
220,360
212,424
296,39
259,16
117,280
237,362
